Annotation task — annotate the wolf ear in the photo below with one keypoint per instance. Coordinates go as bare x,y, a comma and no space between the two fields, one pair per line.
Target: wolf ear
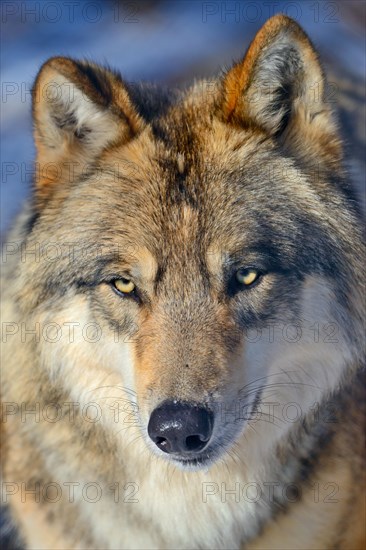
279,87
79,109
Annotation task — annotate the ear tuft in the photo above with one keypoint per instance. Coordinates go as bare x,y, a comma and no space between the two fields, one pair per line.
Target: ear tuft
77,99
279,87
79,109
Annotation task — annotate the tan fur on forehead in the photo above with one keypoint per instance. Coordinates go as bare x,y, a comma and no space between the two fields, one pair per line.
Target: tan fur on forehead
180,162
214,259
146,265
137,152
189,220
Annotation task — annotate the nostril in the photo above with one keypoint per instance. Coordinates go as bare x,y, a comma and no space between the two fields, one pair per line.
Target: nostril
195,443
162,443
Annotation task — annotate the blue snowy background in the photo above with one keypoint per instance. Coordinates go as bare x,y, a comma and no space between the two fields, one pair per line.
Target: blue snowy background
168,42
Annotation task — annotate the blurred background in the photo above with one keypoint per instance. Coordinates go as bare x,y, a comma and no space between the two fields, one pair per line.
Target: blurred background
169,42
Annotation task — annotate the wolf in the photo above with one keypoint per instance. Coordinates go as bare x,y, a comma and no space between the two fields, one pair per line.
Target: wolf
183,313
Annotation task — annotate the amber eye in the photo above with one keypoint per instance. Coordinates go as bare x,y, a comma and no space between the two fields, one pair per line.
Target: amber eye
247,277
124,286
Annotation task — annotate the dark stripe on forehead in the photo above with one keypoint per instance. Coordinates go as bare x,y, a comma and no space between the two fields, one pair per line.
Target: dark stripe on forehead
178,188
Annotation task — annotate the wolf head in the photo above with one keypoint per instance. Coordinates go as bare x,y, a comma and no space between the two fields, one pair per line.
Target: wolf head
208,239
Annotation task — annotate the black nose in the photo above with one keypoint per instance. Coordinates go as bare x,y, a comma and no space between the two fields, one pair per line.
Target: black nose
180,427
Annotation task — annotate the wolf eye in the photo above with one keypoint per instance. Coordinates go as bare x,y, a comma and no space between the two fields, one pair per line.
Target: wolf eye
123,286
247,277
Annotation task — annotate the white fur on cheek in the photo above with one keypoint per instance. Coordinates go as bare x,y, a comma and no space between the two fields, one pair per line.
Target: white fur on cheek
93,372
294,376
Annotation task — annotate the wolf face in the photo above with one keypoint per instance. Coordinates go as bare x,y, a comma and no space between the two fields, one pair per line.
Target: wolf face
209,237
